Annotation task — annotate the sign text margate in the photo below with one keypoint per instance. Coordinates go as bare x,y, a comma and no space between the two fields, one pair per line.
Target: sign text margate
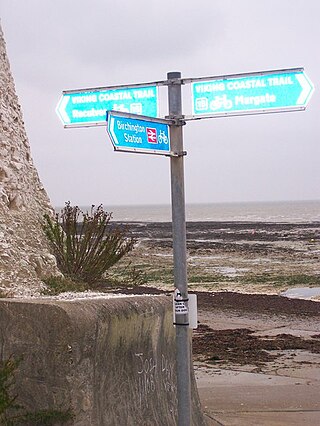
249,94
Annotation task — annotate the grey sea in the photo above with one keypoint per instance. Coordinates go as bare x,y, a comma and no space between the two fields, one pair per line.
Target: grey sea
284,211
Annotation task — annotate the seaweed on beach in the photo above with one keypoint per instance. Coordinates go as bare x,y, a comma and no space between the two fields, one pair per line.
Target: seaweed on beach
242,346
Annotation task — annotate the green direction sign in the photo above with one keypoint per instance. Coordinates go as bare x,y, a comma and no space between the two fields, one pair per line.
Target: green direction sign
271,91
88,107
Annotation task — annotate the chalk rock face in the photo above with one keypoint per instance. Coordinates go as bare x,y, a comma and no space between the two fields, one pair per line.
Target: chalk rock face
24,255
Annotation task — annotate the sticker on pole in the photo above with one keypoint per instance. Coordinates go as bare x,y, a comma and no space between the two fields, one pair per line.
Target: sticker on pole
180,305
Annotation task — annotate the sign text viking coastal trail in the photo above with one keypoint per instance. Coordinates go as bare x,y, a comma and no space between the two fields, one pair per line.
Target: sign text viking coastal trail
254,93
251,93
88,107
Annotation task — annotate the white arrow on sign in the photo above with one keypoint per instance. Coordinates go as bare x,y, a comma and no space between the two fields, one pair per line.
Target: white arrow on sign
61,109
307,89
111,129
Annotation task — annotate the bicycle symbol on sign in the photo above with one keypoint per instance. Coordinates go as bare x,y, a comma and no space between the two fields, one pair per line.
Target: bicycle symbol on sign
220,102
162,138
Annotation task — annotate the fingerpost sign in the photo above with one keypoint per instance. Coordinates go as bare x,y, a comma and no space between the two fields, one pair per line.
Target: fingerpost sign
133,126
135,133
87,107
253,93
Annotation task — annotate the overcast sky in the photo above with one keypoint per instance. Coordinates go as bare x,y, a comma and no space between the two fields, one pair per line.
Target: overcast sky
70,44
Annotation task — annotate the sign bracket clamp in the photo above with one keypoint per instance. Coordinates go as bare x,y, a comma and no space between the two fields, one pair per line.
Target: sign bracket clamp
178,154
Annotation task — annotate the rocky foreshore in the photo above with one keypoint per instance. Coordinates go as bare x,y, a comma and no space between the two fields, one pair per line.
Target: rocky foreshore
250,257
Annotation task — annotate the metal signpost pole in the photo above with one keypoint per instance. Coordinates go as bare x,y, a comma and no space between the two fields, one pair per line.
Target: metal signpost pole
179,250
218,96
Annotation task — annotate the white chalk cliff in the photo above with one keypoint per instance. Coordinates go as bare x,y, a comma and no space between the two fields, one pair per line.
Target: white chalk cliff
24,255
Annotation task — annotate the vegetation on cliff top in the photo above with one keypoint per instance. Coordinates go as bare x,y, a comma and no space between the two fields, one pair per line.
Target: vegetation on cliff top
87,244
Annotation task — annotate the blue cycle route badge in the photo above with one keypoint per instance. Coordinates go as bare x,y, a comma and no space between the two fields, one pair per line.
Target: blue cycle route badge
88,108
138,134
252,94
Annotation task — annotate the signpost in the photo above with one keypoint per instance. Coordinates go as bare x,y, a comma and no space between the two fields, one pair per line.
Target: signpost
254,93
135,133
87,107
179,240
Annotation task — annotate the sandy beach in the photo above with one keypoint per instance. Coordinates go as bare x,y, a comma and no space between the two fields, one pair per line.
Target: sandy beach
257,359
256,353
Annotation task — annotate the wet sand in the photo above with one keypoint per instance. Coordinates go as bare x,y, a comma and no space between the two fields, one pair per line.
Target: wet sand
256,353
257,359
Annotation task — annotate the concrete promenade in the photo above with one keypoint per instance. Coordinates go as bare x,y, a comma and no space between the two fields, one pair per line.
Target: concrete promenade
233,398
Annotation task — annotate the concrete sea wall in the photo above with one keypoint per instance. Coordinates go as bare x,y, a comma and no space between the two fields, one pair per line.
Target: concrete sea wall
112,361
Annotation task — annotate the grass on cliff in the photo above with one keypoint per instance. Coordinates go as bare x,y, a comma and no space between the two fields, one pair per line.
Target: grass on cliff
126,275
